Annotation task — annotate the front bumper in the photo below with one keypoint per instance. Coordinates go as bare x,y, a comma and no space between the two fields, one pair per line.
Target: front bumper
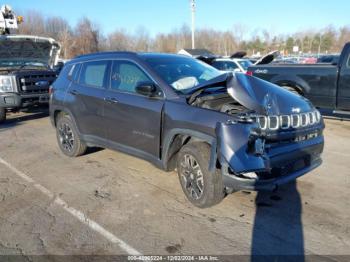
15,100
240,183
283,158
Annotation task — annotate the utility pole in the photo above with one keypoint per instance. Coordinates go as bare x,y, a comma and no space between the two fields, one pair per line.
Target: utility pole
193,10
319,46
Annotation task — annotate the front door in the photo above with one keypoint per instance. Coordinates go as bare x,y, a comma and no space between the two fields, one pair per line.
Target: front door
343,98
134,119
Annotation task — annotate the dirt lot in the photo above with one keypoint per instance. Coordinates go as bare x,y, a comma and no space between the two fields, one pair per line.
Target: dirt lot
110,203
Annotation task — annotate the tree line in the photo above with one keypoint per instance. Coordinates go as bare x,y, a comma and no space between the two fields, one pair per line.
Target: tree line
86,37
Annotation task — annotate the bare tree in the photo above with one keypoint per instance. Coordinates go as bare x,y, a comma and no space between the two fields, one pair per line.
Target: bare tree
65,37
85,38
239,31
34,24
119,40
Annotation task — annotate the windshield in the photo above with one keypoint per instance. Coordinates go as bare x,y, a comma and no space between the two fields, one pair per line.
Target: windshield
19,64
182,73
245,64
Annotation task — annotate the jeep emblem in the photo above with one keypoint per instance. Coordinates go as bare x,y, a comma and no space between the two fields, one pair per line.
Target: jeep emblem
296,110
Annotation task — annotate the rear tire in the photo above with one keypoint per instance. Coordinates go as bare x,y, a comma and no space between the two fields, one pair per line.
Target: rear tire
2,114
68,137
201,187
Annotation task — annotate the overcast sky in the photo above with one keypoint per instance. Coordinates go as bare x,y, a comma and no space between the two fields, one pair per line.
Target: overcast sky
278,16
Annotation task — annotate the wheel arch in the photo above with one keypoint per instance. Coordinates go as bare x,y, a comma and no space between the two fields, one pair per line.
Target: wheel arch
300,85
177,138
62,111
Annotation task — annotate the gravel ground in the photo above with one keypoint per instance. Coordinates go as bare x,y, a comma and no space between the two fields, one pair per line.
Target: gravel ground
109,203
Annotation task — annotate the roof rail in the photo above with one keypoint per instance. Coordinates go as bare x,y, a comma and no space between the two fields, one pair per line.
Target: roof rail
107,53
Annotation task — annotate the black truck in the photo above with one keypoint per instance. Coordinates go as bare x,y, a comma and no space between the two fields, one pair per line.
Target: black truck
26,71
222,132
327,86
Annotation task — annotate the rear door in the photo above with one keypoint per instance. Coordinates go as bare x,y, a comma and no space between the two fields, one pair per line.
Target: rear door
86,97
134,120
343,98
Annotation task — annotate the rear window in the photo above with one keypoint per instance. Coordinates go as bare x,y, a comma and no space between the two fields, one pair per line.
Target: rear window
94,74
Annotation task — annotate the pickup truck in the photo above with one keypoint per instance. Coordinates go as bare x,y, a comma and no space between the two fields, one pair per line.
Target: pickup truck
327,86
221,132
26,71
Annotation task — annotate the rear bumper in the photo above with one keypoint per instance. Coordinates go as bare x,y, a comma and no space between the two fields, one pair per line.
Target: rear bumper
15,100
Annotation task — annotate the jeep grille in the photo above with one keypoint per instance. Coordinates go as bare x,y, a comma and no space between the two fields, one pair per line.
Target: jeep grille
289,121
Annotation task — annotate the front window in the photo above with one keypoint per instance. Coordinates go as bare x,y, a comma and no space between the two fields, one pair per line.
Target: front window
182,73
126,76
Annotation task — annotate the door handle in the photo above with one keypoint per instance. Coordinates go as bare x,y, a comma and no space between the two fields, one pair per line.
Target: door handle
74,92
111,100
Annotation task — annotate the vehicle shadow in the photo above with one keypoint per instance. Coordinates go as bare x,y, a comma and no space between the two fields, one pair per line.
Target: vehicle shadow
30,114
278,229
93,150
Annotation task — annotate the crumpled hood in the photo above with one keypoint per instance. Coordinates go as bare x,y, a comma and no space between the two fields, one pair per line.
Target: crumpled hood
264,97
29,48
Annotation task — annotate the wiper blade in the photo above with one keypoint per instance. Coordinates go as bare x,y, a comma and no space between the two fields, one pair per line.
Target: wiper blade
217,81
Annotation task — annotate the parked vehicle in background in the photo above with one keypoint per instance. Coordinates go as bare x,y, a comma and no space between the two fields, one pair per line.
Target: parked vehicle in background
329,59
237,62
231,64
327,86
8,20
222,132
26,72
285,60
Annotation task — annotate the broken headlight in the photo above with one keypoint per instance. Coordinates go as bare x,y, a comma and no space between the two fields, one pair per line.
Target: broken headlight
6,84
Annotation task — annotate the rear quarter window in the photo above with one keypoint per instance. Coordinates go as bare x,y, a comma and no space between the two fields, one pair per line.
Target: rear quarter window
73,73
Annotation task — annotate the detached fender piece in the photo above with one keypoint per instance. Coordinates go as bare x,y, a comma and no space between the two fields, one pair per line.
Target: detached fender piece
236,146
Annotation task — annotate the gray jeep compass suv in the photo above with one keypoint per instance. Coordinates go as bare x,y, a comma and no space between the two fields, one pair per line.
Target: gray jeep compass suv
221,132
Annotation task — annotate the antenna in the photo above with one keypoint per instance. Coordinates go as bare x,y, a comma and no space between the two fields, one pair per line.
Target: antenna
193,10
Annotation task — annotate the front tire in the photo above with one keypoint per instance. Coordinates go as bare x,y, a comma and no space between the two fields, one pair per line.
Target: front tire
2,115
68,138
201,187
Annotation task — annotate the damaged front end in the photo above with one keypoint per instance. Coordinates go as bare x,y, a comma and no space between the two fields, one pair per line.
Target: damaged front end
278,140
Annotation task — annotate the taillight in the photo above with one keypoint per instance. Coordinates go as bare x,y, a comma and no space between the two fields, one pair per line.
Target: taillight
249,73
50,90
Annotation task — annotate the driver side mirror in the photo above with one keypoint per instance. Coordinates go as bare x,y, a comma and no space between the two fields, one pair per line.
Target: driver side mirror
146,88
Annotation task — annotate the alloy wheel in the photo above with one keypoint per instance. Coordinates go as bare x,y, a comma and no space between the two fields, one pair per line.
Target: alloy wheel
192,176
66,137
